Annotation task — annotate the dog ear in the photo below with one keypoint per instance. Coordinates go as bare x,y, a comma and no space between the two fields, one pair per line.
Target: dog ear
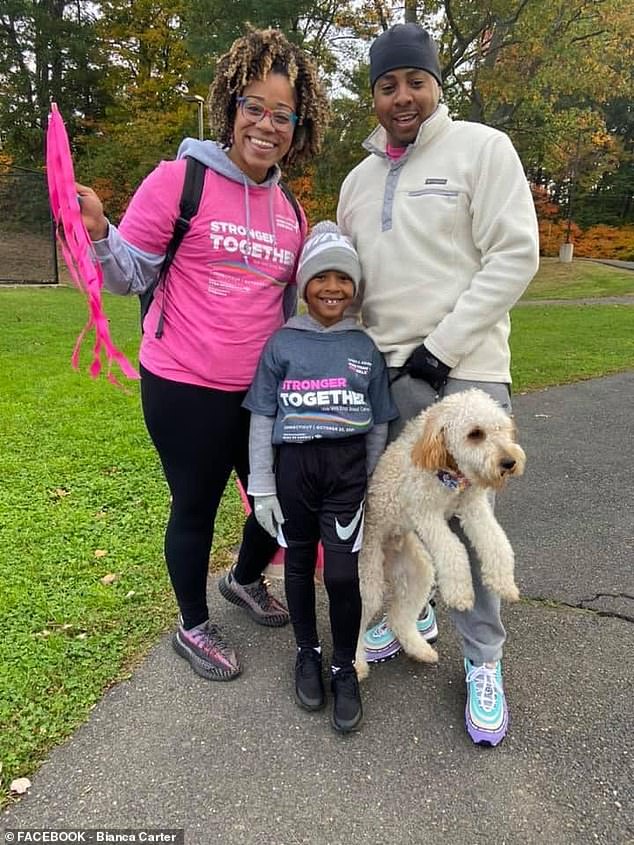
429,451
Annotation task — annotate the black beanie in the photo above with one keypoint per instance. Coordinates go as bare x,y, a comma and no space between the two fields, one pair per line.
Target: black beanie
404,45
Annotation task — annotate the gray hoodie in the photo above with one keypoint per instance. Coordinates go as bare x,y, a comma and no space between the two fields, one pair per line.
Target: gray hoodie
315,383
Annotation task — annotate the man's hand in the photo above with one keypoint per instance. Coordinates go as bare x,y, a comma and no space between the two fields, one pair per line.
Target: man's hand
268,513
421,364
92,212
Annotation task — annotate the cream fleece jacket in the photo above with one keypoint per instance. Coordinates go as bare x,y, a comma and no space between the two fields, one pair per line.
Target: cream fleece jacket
447,238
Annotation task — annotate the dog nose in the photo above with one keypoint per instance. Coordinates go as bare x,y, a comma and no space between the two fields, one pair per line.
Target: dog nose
508,464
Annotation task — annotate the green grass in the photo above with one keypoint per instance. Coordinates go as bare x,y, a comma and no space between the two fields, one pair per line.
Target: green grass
579,279
567,343
82,496
79,478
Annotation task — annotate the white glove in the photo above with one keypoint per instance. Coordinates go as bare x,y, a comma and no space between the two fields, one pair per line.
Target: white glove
268,513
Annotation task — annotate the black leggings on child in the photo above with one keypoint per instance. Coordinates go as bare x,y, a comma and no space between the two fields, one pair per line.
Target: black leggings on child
341,580
201,435
321,486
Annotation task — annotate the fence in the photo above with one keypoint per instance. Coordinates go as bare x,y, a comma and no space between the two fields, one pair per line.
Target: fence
27,241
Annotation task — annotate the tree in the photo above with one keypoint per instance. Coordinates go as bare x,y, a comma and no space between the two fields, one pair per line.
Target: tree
147,72
212,26
48,51
543,71
610,199
555,74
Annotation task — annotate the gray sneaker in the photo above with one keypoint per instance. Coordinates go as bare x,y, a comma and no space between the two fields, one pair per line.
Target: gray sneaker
209,654
255,598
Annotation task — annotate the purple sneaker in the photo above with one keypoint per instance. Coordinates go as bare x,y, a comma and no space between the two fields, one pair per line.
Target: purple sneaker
255,598
486,712
208,652
380,641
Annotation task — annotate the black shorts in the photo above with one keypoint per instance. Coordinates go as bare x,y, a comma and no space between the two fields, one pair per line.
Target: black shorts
321,487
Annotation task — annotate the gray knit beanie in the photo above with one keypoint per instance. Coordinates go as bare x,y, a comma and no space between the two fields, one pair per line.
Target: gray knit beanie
402,46
327,248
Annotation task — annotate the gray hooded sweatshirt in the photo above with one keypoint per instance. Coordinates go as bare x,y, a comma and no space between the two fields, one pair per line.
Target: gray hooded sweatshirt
313,383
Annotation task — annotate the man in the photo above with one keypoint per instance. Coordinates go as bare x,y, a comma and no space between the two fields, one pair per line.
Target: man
443,220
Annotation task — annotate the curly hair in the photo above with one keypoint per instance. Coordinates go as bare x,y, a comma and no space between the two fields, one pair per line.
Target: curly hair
254,56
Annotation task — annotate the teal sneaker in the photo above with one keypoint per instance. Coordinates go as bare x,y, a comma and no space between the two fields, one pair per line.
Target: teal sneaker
486,711
380,641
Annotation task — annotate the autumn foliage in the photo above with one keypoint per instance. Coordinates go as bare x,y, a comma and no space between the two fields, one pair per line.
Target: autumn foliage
598,241
606,242
556,77
318,205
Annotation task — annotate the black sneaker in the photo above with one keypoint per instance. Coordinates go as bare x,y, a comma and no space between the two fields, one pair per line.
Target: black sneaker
347,711
309,684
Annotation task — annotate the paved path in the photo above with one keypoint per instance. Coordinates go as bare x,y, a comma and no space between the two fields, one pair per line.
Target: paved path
239,763
595,300
622,265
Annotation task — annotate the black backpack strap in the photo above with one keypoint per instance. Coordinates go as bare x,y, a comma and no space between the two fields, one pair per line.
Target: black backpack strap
290,196
189,203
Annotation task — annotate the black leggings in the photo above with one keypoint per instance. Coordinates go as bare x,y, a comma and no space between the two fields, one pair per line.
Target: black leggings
200,435
341,579
321,487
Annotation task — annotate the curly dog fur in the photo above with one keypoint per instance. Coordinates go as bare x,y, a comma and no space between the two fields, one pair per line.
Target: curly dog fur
442,465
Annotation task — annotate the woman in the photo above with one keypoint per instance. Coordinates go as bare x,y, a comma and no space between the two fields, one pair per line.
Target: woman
228,289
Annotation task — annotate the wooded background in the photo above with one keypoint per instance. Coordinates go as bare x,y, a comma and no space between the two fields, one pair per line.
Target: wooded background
557,76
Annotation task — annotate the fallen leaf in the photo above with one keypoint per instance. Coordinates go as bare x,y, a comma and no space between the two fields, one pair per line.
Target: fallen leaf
110,578
20,785
100,552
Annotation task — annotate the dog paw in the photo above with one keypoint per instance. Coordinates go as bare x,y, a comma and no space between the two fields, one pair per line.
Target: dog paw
460,601
505,589
510,593
362,669
430,656
420,650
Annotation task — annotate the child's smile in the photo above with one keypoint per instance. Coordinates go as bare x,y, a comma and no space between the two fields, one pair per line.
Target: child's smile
328,295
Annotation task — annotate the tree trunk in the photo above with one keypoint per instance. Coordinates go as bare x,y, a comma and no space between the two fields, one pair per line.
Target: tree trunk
411,11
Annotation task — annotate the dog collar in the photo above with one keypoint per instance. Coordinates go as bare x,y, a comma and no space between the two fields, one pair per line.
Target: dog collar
453,480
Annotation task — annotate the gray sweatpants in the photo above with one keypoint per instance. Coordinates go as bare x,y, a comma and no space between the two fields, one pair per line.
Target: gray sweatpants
481,629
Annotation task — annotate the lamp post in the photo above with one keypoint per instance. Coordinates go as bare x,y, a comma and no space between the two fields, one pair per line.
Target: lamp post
567,248
200,102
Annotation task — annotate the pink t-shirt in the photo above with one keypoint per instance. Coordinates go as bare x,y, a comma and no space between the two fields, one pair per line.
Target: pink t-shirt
226,283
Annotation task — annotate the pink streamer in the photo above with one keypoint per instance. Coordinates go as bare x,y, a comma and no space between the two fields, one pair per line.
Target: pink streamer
76,246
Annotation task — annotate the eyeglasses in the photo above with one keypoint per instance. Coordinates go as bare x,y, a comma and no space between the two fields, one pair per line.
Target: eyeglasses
254,111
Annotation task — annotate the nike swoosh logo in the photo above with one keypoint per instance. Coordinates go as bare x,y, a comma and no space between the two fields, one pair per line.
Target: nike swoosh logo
345,532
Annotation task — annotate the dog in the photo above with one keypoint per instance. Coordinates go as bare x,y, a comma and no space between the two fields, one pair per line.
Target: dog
444,464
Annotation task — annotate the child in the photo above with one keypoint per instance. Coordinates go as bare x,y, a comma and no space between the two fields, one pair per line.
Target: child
321,397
